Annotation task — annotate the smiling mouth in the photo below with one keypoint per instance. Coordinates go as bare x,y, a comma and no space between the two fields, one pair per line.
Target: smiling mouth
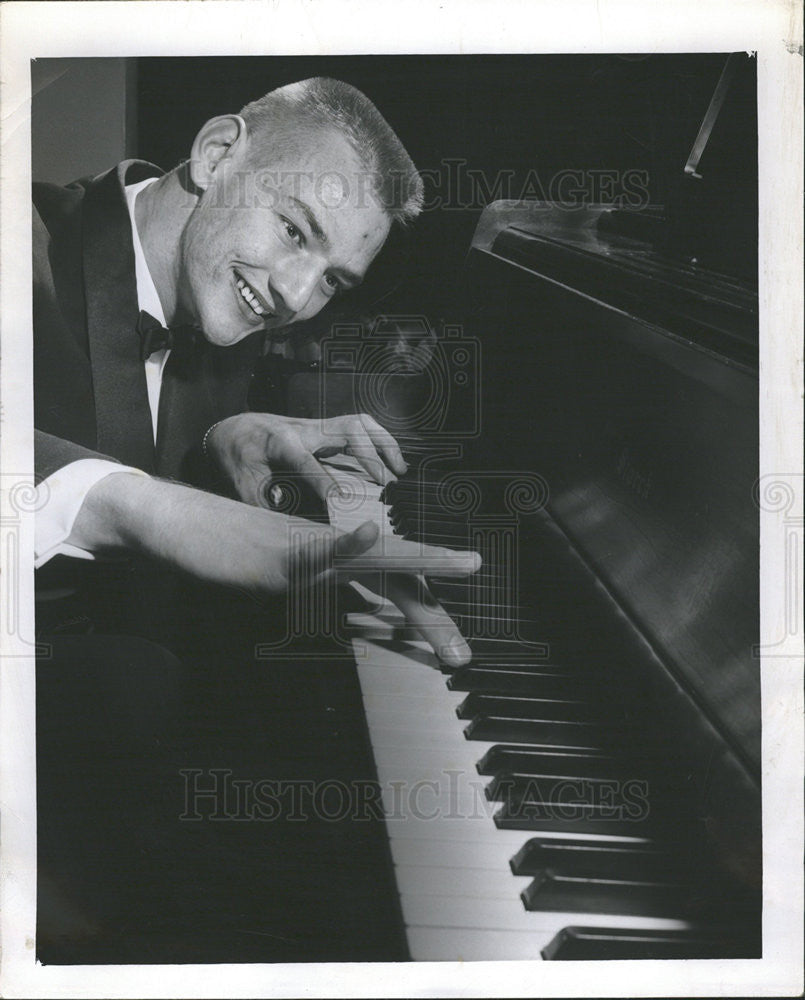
252,299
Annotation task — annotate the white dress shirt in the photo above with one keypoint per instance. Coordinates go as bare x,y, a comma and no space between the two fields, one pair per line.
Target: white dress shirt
63,492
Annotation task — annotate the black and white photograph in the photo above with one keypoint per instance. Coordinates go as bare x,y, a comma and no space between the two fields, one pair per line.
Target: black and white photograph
403,522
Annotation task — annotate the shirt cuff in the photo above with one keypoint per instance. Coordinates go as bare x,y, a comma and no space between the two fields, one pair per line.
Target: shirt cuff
58,501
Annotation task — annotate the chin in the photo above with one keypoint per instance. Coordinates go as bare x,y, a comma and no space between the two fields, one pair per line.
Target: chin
224,331
229,339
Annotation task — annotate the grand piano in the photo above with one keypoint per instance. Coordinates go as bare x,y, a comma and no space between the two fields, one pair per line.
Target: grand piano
589,785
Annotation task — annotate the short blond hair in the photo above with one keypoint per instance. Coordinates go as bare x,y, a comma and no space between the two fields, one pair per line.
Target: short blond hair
322,103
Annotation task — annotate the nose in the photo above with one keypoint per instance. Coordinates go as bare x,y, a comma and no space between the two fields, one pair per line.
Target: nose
292,283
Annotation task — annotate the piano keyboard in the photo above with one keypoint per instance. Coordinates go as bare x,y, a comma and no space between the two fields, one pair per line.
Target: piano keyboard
491,860
478,878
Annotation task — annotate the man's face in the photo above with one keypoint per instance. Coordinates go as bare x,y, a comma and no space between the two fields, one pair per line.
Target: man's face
269,246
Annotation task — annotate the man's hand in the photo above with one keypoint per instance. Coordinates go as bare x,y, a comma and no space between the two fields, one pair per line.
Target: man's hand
250,447
263,552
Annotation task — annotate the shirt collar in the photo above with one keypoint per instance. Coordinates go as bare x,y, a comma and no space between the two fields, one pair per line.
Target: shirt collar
147,297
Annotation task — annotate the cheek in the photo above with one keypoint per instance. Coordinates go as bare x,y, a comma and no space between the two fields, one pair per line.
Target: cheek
318,300
207,239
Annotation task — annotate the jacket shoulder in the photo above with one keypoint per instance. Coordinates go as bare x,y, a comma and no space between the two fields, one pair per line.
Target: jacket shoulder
55,205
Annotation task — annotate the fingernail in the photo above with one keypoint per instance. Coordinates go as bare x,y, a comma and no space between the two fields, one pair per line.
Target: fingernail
456,651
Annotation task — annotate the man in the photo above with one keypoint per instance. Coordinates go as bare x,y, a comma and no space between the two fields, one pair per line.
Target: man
279,209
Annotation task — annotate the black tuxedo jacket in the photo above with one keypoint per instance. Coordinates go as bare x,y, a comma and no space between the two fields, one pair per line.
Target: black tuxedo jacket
90,397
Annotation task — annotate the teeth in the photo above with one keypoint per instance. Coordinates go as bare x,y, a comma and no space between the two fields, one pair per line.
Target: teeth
250,297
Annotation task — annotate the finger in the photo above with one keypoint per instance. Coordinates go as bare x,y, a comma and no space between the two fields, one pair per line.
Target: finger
423,611
393,554
294,455
385,443
364,451
252,482
317,554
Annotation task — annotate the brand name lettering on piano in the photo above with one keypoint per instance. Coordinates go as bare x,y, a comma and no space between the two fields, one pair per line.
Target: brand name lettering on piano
217,794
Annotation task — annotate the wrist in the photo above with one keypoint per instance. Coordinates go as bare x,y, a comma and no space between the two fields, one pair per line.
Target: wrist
206,445
108,516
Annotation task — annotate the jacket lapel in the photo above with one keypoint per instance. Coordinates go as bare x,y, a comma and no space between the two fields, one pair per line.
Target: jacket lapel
199,388
118,376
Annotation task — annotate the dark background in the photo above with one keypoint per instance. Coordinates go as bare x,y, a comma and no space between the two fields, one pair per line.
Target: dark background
534,116
543,114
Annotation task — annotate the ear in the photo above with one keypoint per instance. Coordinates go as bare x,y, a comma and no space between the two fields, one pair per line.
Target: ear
219,140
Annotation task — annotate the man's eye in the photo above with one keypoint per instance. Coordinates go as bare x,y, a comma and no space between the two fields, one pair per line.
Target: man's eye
333,284
293,232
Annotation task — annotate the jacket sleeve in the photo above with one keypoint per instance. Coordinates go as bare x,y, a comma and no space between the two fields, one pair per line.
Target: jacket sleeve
52,453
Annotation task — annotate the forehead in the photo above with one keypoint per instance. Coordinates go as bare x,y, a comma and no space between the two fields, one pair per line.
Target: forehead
318,178
318,165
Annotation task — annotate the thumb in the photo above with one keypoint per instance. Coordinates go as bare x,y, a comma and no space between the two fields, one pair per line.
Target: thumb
357,541
317,558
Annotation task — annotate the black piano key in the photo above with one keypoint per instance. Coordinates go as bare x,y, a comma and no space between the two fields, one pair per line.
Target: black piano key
492,622
543,684
553,811
571,793
489,661
513,769
509,648
501,757
513,788
628,898
611,943
451,538
472,591
598,859
520,707
532,762
502,729
549,646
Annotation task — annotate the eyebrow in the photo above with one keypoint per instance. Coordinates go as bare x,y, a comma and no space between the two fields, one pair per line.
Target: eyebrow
352,278
312,221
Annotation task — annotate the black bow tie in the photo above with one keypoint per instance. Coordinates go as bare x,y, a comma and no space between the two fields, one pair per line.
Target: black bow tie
155,337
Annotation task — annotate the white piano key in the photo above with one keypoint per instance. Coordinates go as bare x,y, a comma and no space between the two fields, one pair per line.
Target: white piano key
379,678
460,756
447,825
469,854
492,853
426,801
417,880
433,721
415,703
410,657
446,739
464,944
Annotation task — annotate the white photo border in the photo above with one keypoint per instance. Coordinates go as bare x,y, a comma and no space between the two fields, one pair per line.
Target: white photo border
772,29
